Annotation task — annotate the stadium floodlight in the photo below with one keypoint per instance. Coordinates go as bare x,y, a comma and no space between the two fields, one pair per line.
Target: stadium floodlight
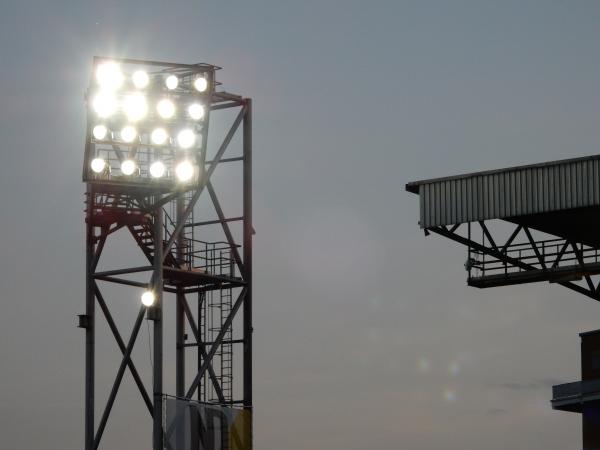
159,136
157,169
128,167
144,112
98,165
165,108
171,82
140,79
135,107
200,84
186,138
148,298
100,132
128,133
109,76
196,111
184,171
105,104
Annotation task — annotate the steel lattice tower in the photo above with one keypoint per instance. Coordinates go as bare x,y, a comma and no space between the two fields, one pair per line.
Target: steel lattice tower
199,265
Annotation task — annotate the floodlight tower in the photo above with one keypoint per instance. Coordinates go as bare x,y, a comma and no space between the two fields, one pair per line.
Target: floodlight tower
147,163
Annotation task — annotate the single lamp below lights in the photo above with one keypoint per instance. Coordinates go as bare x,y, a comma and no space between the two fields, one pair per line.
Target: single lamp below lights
148,298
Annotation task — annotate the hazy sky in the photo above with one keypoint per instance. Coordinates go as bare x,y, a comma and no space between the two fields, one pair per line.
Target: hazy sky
366,335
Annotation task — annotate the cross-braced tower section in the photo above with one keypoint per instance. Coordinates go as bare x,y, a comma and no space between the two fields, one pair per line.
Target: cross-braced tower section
163,141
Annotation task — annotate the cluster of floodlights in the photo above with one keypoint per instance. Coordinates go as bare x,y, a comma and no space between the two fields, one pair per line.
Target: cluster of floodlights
121,105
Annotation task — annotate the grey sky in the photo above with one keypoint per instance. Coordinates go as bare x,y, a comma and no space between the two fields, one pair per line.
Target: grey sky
366,334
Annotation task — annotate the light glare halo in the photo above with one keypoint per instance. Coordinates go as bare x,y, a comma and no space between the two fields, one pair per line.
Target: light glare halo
109,76
157,169
140,79
184,171
105,104
171,82
128,133
165,108
148,298
200,84
128,167
196,111
135,107
159,136
98,165
100,132
186,138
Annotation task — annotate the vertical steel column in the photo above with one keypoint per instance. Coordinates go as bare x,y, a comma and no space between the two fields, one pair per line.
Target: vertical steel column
179,311
247,242
157,431
90,303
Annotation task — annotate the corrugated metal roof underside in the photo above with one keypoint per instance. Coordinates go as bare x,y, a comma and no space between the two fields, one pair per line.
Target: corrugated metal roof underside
514,192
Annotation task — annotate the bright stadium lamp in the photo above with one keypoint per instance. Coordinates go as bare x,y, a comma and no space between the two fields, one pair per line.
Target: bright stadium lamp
165,108
105,104
171,82
98,165
148,298
184,171
128,133
157,169
196,111
200,84
159,136
145,118
128,167
186,138
135,107
140,79
100,132
109,76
